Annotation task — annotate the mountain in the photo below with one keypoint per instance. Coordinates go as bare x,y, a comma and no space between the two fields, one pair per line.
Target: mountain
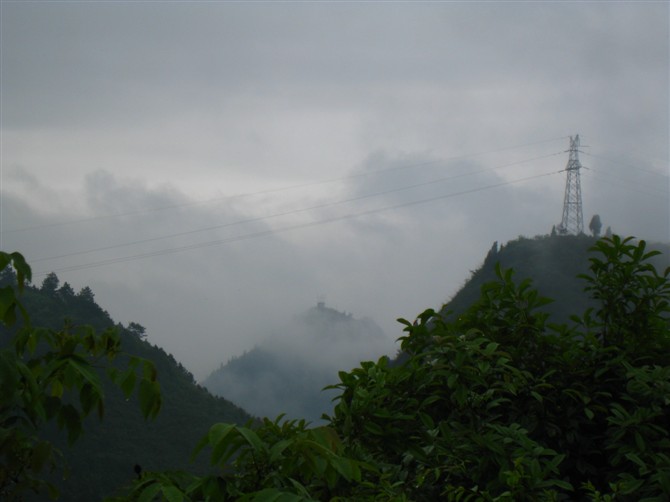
287,372
103,458
552,263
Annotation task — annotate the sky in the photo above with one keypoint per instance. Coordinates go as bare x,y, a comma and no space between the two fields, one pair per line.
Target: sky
211,169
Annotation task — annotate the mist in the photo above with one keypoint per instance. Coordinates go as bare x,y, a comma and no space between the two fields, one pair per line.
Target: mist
288,371
210,170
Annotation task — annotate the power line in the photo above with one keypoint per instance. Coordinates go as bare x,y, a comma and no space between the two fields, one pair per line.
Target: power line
290,212
264,233
629,166
275,190
626,184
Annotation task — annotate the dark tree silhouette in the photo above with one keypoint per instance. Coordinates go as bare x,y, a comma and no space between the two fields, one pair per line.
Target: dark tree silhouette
50,283
595,225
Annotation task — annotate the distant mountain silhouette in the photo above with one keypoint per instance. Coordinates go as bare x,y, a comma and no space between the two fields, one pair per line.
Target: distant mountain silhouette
287,372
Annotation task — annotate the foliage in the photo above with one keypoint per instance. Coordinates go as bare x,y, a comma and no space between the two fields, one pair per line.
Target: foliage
50,376
553,263
493,404
276,461
137,330
104,456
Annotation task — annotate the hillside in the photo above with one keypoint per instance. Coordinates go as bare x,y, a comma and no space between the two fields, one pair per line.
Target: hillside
497,404
284,374
553,264
103,458
287,372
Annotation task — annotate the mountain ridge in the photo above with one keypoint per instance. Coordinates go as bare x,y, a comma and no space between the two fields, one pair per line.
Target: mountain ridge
102,460
552,263
288,370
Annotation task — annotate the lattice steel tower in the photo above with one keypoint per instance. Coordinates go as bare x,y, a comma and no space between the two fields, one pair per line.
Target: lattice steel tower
573,219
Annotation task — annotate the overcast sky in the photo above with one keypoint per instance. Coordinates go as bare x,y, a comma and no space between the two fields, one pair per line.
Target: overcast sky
210,169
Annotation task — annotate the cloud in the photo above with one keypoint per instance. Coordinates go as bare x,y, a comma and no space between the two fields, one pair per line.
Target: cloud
324,115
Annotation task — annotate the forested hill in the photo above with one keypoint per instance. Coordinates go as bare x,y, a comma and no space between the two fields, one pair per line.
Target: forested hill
551,262
104,457
287,372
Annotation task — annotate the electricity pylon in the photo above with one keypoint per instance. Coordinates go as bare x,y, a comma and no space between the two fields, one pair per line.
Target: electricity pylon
573,219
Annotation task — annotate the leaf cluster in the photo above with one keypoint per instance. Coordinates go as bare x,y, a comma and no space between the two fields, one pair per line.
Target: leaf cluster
500,404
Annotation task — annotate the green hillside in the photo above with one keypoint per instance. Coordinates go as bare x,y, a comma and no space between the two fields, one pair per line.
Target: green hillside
551,262
104,457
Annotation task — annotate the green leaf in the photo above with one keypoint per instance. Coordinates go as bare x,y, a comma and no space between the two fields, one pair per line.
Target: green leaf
40,455
89,398
219,439
451,380
172,494
127,383
562,484
636,459
373,428
278,448
639,441
23,272
490,348
86,374
70,418
149,493
347,468
9,373
7,305
252,439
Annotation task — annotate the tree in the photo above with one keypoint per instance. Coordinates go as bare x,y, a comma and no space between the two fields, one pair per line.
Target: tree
86,294
66,291
595,225
494,405
49,377
137,330
493,252
50,283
